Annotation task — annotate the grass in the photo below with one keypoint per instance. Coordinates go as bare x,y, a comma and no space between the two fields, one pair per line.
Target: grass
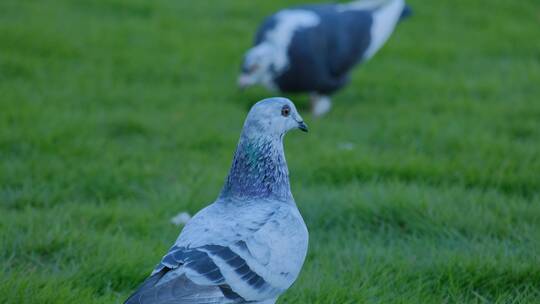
421,186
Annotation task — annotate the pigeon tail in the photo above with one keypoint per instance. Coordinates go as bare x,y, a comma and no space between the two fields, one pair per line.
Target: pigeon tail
179,290
384,21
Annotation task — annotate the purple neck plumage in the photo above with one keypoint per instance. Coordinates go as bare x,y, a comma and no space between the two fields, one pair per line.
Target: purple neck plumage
258,171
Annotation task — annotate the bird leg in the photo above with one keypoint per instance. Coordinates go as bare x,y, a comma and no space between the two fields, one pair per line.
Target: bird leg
320,104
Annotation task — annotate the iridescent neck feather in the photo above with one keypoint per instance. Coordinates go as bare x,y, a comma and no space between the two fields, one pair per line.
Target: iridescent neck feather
259,169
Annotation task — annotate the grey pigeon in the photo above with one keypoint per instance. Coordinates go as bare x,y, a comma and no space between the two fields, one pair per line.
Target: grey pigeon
250,244
313,48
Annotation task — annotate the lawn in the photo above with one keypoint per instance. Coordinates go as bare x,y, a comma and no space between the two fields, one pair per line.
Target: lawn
422,185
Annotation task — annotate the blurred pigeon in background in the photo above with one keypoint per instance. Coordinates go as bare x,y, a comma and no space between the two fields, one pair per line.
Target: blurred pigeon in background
312,48
250,244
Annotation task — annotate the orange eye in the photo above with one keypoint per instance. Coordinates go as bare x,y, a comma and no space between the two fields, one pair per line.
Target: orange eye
285,111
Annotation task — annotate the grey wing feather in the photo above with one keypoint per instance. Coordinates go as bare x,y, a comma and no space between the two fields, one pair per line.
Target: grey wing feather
169,283
178,290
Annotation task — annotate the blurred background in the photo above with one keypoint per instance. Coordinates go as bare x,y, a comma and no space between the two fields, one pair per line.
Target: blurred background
420,186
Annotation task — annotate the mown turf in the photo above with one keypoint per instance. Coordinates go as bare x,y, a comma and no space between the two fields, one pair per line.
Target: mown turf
421,186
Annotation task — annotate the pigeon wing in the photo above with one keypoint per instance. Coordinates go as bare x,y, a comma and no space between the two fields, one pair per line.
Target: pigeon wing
223,256
160,288
349,39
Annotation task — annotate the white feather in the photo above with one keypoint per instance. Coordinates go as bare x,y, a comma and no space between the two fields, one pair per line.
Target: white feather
272,51
384,21
180,219
280,37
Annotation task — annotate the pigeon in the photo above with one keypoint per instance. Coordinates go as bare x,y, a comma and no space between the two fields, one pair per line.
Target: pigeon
313,48
250,244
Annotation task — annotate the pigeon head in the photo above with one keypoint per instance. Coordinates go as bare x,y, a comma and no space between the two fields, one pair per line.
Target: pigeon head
273,117
257,67
259,169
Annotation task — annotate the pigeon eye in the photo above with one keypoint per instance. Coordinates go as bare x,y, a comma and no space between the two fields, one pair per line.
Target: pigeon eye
285,111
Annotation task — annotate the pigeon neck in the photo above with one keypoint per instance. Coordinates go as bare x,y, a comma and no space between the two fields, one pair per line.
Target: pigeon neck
259,170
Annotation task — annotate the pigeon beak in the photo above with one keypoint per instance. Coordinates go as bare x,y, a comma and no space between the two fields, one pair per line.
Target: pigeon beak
302,126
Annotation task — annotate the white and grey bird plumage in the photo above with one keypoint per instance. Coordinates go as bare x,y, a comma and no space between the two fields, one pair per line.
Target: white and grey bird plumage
313,48
250,244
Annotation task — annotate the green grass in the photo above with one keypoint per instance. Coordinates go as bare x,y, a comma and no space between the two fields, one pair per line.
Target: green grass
421,186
